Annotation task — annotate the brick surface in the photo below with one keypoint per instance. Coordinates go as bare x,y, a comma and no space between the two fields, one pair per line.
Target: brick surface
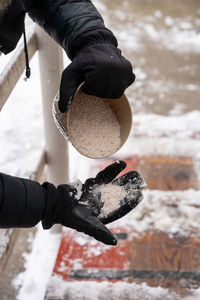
161,172
175,259
89,256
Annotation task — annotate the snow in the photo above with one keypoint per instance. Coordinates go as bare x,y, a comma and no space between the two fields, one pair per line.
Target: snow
21,145
165,211
4,240
105,290
95,248
164,135
38,265
175,34
179,127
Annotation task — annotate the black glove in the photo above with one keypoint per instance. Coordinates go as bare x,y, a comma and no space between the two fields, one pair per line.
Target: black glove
64,208
79,207
130,182
104,70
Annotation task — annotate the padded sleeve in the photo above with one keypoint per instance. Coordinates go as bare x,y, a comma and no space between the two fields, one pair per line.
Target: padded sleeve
66,20
22,202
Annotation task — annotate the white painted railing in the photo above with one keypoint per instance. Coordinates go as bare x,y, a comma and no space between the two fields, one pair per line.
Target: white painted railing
55,155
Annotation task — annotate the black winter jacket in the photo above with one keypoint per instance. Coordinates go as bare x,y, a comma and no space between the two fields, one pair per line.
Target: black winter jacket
71,23
22,202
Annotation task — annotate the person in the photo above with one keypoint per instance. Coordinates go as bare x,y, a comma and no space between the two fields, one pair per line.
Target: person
79,29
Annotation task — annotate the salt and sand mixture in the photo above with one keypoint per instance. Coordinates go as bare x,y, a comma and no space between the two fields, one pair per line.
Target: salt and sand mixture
93,126
111,196
107,198
114,196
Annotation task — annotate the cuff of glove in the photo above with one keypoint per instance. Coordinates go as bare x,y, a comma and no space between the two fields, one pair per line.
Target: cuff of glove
49,218
92,37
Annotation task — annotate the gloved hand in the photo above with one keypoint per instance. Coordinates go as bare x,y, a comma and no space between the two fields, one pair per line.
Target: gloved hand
78,206
63,207
104,70
131,183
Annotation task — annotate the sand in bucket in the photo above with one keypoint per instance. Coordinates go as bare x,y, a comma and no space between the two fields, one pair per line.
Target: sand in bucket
95,126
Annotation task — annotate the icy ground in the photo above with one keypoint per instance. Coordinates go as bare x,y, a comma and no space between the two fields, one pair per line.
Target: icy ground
21,144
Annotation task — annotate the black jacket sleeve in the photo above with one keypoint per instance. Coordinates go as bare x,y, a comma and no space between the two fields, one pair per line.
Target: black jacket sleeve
69,22
11,26
22,202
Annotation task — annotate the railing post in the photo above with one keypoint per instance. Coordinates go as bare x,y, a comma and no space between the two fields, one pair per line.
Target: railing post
51,67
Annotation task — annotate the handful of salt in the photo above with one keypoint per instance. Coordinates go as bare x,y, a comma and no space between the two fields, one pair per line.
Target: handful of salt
114,200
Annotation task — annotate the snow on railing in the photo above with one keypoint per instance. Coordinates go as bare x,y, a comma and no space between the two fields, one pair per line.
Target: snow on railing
51,66
15,67
55,155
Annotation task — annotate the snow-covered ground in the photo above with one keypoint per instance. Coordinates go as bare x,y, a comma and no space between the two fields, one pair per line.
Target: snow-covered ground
38,265
21,146
120,290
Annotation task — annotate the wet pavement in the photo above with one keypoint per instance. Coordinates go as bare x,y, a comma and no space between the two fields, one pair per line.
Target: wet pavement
162,40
